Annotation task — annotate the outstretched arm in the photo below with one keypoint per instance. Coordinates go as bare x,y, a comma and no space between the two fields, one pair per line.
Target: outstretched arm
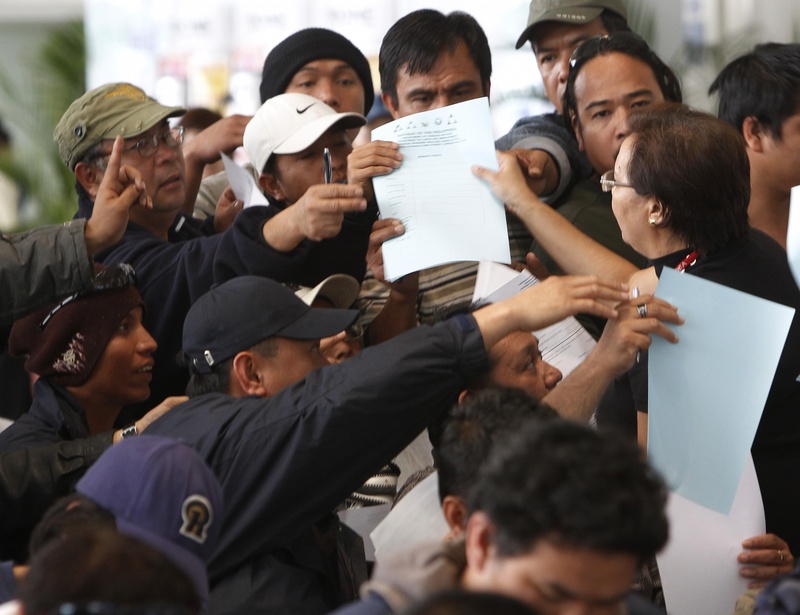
224,135
318,215
623,338
547,303
574,252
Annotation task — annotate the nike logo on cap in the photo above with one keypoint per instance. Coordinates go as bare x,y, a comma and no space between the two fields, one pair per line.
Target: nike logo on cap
299,112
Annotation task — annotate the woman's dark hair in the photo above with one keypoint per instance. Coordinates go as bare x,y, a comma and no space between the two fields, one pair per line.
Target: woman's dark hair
697,167
626,43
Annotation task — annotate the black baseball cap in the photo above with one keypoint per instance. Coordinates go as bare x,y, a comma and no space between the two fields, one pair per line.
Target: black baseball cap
246,310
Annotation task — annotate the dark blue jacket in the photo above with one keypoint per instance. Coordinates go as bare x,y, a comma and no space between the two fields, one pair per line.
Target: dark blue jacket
285,462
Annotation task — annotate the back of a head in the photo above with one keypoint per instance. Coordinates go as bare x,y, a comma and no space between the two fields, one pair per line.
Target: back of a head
416,41
461,602
471,430
198,119
572,486
764,84
697,166
67,515
104,566
626,43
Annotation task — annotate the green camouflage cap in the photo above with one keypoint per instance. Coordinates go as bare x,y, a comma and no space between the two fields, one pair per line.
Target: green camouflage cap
576,12
103,113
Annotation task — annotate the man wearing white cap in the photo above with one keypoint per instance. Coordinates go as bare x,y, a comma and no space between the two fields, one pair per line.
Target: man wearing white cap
174,266
285,141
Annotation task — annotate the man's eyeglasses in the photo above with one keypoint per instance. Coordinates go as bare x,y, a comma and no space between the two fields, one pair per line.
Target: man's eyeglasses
607,182
171,137
113,276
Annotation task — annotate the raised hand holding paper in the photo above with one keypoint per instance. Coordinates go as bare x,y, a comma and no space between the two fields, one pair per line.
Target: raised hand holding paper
449,215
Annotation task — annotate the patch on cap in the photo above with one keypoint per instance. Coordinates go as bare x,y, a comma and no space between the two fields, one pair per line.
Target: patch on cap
197,515
128,91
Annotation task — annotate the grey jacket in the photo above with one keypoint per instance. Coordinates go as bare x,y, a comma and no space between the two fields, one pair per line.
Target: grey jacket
41,266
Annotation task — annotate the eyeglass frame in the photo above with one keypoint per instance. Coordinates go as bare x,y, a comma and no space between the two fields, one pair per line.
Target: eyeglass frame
607,182
155,142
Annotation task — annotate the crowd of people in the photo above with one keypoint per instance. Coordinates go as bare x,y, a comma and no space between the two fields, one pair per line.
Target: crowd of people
213,384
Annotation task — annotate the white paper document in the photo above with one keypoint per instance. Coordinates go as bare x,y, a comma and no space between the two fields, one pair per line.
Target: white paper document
448,213
563,345
698,567
706,394
243,184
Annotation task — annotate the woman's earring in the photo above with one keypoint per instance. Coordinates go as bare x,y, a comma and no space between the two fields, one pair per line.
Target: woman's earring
653,221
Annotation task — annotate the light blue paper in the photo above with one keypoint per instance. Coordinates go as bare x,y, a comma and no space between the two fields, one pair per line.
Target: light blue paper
707,392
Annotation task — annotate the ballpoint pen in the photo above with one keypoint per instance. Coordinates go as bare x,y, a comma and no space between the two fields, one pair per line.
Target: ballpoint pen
327,167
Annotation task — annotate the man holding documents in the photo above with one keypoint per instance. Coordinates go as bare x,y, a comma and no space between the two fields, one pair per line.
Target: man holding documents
428,60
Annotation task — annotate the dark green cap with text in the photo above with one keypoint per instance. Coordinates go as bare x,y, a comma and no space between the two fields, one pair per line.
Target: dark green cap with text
103,113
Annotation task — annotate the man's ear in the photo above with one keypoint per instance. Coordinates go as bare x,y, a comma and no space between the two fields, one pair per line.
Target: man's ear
390,103
89,176
270,184
576,128
753,134
487,87
479,541
455,513
245,376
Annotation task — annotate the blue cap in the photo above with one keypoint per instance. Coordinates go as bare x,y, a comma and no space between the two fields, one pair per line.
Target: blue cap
161,492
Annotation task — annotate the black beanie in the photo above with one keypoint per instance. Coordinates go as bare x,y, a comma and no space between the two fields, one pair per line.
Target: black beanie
305,46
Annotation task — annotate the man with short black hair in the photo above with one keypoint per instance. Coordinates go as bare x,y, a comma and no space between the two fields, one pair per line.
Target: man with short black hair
560,517
759,94
290,436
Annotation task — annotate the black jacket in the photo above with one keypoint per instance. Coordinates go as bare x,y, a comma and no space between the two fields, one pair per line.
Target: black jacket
285,462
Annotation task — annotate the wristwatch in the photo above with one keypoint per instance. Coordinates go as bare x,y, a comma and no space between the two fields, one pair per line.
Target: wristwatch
129,432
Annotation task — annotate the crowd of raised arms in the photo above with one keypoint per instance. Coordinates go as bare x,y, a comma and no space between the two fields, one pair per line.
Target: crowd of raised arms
213,390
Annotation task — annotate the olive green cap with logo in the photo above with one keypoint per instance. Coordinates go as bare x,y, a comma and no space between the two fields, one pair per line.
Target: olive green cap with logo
103,113
568,11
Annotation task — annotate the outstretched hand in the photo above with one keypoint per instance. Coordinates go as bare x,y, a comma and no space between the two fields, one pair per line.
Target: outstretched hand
540,170
629,333
508,183
122,187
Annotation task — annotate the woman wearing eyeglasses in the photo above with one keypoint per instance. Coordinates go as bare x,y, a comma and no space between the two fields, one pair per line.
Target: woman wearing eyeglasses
680,190
93,356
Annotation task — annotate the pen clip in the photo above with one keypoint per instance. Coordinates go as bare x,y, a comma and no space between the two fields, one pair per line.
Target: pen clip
327,167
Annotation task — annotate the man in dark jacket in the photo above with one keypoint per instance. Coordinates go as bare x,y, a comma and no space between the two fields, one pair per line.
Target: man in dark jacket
290,437
174,263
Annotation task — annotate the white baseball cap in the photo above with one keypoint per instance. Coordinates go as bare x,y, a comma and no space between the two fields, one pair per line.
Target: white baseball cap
340,289
288,124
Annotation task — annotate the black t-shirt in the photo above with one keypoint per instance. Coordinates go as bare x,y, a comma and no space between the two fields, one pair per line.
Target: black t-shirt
757,265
